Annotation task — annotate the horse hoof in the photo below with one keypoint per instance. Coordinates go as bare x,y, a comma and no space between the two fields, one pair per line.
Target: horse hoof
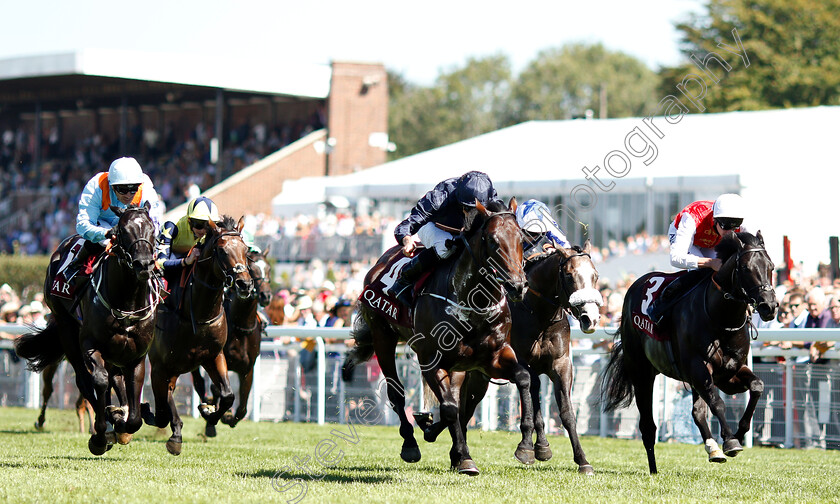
110,437
524,456
586,469
717,457
429,436
228,418
466,466
39,426
210,430
542,453
732,447
410,454
116,414
173,447
123,438
424,420
206,410
97,449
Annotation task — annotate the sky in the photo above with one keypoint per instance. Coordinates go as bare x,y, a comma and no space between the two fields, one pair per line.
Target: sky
417,39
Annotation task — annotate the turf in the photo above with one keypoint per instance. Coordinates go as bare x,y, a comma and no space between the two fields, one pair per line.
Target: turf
257,463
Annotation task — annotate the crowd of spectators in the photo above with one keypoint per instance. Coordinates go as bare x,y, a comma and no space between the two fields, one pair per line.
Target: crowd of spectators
175,163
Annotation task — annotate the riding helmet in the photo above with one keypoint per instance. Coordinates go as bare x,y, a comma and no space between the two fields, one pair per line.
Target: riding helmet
472,186
202,208
125,170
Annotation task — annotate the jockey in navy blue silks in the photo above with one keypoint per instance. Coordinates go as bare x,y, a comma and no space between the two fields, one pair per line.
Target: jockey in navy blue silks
446,204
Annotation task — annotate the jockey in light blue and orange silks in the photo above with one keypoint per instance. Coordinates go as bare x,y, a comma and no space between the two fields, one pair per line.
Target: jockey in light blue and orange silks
95,217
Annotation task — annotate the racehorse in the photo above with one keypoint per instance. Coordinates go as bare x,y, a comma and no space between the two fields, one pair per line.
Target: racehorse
558,280
194,334
245,329
460,322
706,343
82,406
108,347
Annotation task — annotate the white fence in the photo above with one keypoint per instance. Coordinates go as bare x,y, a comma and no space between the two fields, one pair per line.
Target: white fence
800,407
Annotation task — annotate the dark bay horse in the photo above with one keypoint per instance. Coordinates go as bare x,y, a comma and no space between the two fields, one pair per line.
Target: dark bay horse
707,344
195,334
108,347
558,280
245,329
460,322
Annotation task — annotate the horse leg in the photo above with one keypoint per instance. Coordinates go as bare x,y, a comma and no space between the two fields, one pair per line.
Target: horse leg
245,383
199,386
472,392
217,371
512,370
749,381
133,383
117,414
173,444
99,382
542,449
561,377
700,412
447,388
704,386
643,377
47,377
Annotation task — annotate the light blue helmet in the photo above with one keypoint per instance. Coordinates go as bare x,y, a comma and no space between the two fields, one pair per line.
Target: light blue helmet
125,170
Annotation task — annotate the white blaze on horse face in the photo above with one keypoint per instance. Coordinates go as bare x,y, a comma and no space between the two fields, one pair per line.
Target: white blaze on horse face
587,295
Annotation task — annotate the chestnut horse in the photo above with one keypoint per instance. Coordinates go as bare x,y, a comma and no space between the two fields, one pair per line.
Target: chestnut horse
460,322
195,333
245,329
706,346
108,347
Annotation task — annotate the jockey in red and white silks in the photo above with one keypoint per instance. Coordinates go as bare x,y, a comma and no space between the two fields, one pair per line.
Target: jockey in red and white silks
699,227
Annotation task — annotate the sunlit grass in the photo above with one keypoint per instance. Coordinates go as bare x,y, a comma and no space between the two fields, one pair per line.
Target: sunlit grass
240,466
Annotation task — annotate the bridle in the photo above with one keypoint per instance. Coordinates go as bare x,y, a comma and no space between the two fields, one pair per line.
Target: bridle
750,295
229,274
489,264
123,256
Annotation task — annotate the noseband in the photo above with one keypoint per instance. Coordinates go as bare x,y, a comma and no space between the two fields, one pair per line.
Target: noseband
498,277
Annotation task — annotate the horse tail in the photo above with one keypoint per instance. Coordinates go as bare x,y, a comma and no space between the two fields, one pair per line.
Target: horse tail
41,348
618,388
362,350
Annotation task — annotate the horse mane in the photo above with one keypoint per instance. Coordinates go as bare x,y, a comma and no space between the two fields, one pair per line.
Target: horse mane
226,224
475,219
733,242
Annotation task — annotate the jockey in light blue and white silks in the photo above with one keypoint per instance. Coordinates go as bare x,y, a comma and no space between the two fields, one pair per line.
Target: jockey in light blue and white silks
535,217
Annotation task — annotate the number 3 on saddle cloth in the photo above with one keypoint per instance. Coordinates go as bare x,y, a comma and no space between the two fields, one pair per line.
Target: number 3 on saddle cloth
654,287
61,286
374,293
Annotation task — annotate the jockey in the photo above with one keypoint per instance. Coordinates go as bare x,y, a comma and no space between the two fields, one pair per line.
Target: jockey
694,234
176,243
124,183
446,204
538,226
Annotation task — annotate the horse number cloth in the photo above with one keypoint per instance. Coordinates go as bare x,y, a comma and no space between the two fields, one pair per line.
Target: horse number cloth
654,287
60,286
375,297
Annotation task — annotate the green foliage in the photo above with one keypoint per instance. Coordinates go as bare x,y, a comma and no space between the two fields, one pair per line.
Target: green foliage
484,95
564,82
240,464
23,273
793,48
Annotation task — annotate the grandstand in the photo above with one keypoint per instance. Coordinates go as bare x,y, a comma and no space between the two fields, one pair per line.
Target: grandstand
65,116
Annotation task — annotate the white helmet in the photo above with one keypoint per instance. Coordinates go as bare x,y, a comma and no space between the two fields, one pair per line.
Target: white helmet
125,170
729,206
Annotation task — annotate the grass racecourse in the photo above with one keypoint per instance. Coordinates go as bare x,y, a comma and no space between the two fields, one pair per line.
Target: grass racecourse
257,463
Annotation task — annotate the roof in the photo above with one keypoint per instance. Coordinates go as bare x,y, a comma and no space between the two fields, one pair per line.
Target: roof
99,72
784,159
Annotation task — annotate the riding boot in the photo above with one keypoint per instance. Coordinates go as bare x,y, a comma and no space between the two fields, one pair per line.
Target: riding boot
402,287
659,308
76,264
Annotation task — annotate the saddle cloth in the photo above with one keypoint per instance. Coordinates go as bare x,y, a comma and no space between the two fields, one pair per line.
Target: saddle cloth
374,295
61,287
654,286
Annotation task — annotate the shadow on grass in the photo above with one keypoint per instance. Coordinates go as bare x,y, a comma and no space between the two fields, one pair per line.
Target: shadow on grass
333,476
25,431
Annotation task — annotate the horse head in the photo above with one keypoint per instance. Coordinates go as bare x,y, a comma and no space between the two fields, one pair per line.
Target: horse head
260,269
578,280
750,271
229,254
501,245
134,239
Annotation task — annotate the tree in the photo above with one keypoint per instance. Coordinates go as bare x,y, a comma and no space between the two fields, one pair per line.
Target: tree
562,83
463,103
793,47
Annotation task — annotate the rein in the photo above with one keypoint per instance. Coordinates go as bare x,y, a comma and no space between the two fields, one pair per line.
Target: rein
746,299
227,281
